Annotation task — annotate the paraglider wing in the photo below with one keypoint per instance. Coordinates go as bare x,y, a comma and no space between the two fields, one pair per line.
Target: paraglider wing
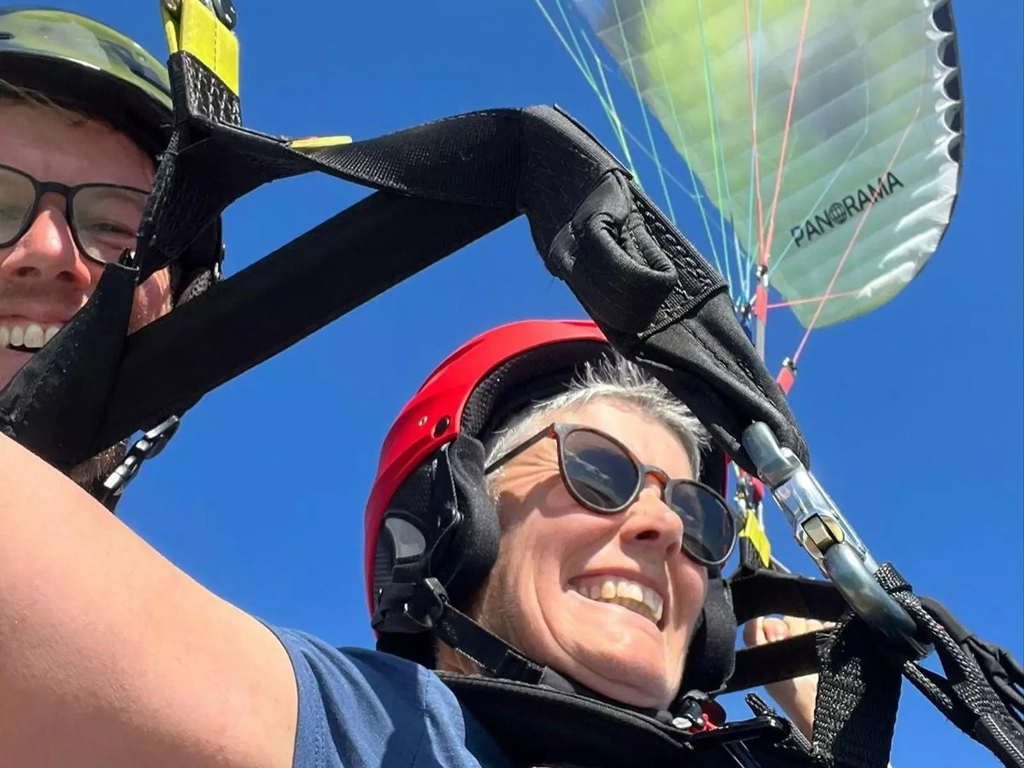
828,133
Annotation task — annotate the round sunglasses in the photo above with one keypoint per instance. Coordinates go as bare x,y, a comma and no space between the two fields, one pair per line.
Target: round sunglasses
604,476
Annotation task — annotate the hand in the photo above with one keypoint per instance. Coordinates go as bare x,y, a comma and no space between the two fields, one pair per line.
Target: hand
796,696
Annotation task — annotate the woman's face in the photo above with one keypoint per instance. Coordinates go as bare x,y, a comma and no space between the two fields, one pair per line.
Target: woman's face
610,600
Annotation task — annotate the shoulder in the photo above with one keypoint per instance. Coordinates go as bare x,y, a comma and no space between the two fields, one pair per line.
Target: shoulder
354,673
353,703
362,707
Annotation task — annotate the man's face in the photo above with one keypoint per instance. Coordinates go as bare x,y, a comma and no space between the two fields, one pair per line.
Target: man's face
44,279
565,584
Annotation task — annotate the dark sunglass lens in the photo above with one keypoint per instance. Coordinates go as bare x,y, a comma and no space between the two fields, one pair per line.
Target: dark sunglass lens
17,194
107,219
597,471
709,528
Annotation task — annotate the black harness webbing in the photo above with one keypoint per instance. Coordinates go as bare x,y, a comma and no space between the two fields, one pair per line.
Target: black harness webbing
976,694
444,184
330,270
858,694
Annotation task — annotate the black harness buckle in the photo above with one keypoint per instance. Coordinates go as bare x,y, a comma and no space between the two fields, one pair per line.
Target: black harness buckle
410,608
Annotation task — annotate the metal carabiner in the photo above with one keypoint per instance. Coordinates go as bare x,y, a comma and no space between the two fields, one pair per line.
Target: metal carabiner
822,531
150,445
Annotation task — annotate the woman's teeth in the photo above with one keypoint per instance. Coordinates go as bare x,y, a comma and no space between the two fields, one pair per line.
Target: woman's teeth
28,336
629,594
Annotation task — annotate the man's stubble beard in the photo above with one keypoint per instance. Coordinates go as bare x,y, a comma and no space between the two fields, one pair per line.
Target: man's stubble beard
91,473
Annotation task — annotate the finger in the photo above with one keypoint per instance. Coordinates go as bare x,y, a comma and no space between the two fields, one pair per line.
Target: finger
796,625
775,629
753,632
802,626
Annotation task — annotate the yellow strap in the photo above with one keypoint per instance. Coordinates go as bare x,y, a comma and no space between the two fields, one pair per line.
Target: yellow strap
313,143
195,29
755,534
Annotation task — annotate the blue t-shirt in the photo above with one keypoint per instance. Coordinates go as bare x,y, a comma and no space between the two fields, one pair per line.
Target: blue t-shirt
364,709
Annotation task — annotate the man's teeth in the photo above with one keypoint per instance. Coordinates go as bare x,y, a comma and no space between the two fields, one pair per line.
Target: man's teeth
29,336
628,594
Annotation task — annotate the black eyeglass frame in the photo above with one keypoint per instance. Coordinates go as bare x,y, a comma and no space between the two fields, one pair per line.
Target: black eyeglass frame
68,193
559,431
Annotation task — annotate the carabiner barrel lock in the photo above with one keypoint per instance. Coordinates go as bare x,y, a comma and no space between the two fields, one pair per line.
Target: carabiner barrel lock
822,531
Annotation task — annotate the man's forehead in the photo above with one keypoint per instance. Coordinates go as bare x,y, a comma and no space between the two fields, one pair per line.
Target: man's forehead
53,144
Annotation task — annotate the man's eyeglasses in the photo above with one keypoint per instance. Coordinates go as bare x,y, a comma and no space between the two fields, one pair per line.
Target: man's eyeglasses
104,218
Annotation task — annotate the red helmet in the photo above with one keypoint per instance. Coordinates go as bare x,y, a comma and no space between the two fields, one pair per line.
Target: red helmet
428,517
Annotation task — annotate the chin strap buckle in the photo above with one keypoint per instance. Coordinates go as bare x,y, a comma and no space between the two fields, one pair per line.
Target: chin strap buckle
410,608
697,712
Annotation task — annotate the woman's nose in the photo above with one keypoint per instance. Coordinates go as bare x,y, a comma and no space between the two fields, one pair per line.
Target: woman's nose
651,522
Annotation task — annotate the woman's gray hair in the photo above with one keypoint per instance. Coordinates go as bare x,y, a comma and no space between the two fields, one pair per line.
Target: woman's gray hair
611,378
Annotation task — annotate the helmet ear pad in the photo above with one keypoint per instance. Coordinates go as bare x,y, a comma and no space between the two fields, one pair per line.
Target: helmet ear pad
473,549
440,524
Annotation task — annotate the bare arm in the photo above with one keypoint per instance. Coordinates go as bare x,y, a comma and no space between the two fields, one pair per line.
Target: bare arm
111,656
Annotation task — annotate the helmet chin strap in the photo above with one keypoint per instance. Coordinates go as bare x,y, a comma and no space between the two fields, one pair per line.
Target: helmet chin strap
500,659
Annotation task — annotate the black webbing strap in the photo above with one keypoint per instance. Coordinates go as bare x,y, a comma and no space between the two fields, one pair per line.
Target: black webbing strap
858,695
485,649
772,662
966,696
765,591
1003,672
330,270
41,410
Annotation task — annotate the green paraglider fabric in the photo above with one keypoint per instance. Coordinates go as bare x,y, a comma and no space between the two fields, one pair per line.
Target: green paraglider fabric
827,133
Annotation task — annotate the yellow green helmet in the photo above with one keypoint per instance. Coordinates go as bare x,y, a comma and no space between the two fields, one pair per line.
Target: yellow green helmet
84,65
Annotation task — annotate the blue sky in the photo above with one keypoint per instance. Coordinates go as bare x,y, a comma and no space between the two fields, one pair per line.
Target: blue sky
913,413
